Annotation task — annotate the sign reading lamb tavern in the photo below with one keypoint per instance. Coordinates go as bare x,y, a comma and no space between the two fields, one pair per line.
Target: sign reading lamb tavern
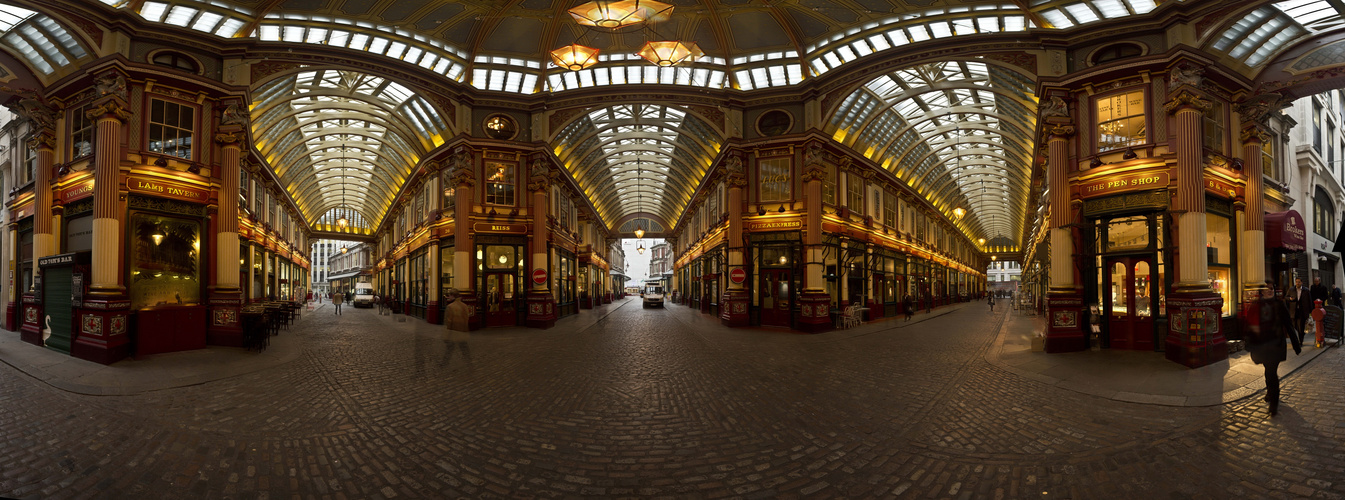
159,188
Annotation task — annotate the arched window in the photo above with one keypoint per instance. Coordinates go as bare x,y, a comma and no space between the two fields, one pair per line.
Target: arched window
1323,215
176,60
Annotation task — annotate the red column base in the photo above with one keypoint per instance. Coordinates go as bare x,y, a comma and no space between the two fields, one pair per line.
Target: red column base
1194,337
585,303
468,297
406,307
541,310
733,309
875,310
11,316
104,331
224,328
1064,332
816,315
434,315
31,331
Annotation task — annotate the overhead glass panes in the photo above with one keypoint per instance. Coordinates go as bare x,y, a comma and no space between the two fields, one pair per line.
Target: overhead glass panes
43,42
954,132
642,73
1266,31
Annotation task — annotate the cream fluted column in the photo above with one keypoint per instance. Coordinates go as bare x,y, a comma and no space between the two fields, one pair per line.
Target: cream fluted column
1189,205
1253,244
107,235
1062,240
734,305
814,301
463,179
226,240
44,243
539,184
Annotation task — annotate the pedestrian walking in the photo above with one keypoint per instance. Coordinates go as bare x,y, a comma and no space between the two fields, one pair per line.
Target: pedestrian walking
1300,300
992,304
336,301
1318,314
908,306
1268,323
1335,296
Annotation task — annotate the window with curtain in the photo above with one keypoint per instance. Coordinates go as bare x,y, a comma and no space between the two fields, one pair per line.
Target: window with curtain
1120,121
81,133
773,179
170,128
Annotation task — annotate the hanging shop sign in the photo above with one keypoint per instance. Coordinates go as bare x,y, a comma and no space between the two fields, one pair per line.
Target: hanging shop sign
486,227
155,187
775,225
1127,203
1286,231
77,191
1126,182
21,212
1220,188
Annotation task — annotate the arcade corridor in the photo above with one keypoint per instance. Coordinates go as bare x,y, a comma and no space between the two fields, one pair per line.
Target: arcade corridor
627,402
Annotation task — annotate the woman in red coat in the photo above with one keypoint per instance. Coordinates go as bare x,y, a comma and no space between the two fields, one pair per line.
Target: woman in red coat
1267,326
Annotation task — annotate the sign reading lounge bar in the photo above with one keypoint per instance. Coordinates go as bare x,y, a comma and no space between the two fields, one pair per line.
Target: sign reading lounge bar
137,184
1119,183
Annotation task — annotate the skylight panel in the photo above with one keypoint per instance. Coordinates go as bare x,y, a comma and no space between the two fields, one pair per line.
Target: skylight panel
29,52
940,29
1111,9
207,21
988,24
1056,18
396,49
270,33
230,27
153,11
1014,23
918,33
293,34
1082,13
744,78
12,16
42,43
180,15
378,45
1142,6
359,41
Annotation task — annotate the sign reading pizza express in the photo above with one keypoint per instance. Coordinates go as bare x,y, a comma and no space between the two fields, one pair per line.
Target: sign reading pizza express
156,187
1121,183
774,225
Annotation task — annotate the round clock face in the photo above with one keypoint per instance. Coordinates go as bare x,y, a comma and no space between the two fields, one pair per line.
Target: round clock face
500,127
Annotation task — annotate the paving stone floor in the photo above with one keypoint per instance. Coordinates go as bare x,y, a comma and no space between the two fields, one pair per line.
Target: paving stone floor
653,403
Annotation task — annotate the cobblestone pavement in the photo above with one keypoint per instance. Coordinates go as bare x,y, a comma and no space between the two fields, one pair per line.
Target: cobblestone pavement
651,403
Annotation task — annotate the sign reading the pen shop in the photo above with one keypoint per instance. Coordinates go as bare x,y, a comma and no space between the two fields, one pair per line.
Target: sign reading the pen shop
1119,183
486,227
155,187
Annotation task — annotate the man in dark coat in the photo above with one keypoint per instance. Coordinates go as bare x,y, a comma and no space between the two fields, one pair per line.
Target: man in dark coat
1318,290
1267,326
1300,301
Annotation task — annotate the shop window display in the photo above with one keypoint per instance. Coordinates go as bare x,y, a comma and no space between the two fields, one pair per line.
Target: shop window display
165,256
1219,251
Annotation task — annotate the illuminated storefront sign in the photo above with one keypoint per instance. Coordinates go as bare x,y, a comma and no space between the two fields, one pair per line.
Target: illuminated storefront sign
1121,183
486,227
165,189
775,225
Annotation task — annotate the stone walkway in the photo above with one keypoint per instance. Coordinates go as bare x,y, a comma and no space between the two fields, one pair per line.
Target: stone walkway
663,403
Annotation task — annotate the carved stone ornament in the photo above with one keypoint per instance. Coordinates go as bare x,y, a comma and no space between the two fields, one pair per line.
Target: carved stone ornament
232,115
462,176
230,138
814,172
735,180
733,165
111,83
1055,107
814,155
1185,74
110,108
42,115
1257,107
1187,99
539,180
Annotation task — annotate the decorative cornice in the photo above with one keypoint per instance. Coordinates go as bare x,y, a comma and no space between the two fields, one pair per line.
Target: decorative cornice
1060,130
42,140
1253,133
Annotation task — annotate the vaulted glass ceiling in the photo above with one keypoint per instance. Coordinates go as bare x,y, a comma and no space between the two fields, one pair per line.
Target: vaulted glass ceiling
958,133
638,159
38,39
1268,30
343,139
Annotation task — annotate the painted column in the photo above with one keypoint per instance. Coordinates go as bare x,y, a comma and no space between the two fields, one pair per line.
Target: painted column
1253,244
44,143
814,301
12,300
433,314
464,251
541,304
226,297
733,306
1064,332
1194,337
103,316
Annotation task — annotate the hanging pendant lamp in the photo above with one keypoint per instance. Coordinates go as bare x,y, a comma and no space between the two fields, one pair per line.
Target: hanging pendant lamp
341,221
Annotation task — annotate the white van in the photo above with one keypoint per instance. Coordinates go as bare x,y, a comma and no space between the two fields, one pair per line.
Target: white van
653,294
364,295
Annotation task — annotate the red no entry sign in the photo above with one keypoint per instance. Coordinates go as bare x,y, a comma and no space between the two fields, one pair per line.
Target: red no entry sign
738,276
539,276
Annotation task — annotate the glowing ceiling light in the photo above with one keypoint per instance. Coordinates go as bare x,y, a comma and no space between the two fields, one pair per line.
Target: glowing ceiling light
575,57
621,13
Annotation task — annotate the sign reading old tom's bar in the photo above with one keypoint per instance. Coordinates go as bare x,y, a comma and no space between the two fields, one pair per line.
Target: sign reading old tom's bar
137,184
1127,182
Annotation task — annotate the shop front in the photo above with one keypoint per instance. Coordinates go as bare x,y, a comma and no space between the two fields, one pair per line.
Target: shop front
501,280
777,276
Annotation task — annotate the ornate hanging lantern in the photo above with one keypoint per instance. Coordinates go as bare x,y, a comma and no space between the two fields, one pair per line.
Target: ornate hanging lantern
575,57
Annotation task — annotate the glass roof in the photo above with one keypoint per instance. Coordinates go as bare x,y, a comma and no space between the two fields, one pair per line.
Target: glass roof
1258,36
638,159
838,40
958,133
343,139
38,39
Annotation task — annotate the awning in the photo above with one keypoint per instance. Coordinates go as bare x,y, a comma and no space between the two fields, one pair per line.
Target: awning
1340,241
1286,231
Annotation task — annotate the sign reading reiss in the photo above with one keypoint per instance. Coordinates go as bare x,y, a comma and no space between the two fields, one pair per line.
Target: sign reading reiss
160,188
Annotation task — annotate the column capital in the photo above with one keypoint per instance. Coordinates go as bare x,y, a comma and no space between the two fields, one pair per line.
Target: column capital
109,109
539,182
1253,134
1185,99
737,180
1059,130
42,140
227,139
